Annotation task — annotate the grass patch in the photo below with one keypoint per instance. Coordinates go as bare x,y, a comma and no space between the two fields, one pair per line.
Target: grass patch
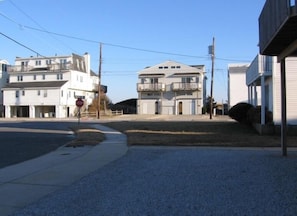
86,136
195,133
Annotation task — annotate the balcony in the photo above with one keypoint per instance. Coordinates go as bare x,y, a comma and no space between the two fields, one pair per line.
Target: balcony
148,87
278,28
179,86
261,66
28,69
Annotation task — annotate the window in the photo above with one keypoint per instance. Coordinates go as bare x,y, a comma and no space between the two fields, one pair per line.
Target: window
62,93
38,92
23,92
178,66
63,63
48,61
43,76
38,62
44,93
24,64
186,79
34,77
17,93
20,78
172,67
153,80
59,76
4,67
166,67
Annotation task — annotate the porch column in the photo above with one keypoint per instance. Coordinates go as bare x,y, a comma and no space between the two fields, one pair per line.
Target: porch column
255,95
263,100
31,111
249,94
7,112
283,107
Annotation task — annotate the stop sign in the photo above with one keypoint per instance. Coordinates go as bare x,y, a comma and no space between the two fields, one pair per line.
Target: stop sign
79,102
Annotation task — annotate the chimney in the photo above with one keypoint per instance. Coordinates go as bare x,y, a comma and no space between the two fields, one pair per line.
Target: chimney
88,62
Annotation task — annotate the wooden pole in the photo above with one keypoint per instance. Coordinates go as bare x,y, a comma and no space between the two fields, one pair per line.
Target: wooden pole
99,81
212,72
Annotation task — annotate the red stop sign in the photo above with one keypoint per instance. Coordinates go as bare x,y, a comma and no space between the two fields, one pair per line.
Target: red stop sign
79,102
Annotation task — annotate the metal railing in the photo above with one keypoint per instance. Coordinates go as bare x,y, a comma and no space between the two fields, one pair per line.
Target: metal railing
178,86
29,68
141,87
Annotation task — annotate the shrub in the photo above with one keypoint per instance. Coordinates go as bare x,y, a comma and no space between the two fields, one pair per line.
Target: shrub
254,115
239,112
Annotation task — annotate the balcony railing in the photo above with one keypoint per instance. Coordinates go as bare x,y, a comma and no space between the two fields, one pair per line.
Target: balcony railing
261,65
155,87
29,68
178,86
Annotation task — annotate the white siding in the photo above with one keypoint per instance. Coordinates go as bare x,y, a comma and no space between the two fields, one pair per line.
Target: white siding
238,89
291,83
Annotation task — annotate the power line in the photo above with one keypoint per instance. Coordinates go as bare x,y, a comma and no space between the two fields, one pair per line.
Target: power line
129,47
41,29
28,16
37,53
111,44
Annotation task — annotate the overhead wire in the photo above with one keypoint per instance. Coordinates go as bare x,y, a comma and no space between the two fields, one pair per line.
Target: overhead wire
19,43
36,23
41,29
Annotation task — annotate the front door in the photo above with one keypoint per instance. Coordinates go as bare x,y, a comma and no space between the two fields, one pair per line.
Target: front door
156,107
180,108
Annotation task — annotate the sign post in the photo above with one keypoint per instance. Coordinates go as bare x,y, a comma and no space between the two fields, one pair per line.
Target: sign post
79,103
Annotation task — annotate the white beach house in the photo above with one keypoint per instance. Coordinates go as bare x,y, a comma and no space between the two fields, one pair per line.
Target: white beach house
41,87
171,88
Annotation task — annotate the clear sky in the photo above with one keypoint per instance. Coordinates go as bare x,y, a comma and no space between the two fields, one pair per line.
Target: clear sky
134,34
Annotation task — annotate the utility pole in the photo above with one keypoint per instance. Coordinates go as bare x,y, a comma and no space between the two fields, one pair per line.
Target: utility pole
212,52
99,82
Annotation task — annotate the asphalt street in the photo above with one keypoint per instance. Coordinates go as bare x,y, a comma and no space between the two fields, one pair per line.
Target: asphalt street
181,181
24,140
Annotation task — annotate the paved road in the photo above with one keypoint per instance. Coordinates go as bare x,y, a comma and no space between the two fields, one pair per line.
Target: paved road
182,181
23,140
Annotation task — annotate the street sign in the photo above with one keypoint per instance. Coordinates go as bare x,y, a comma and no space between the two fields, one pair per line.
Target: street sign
79,102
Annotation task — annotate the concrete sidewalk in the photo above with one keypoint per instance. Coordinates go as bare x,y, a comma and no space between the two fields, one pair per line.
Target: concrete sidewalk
27,182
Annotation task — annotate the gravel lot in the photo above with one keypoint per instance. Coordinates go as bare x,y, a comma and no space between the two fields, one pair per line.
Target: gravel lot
182,181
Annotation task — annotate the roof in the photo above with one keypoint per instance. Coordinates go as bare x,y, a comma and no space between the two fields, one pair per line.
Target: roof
22,85
172,67
238,68
3,61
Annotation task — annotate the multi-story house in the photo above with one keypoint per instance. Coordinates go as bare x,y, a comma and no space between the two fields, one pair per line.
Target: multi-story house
3,82
264,84
171,88
237,89
48,86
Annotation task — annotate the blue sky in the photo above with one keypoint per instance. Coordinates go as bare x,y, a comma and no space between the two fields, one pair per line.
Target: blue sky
135,34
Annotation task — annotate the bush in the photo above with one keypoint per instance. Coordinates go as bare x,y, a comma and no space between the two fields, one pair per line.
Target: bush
239,112
254,115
